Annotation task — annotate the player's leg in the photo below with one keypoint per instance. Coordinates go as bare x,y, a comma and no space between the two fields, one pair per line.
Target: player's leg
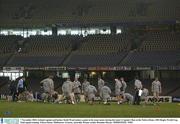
135,97
72,97
78,97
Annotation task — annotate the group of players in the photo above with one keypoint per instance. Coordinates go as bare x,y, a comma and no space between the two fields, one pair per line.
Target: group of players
72,90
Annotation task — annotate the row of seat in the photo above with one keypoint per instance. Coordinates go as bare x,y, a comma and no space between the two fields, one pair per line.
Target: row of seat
90,51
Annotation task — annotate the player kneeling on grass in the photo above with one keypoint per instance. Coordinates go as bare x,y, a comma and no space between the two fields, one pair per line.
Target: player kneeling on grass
67,89
56,98
85,85
48,86
127,98
44,97
30,96
26,96
91,91
105,94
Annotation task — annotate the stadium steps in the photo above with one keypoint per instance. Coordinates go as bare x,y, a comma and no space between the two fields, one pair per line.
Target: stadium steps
67,58
126,57
10,58
123,58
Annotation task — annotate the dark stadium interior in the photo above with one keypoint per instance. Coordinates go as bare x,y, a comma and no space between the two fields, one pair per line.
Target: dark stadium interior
149,42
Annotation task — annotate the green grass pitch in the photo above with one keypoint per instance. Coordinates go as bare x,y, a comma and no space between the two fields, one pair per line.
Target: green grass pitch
13,109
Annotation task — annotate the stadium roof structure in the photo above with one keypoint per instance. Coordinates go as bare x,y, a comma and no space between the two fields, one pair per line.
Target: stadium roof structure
30,13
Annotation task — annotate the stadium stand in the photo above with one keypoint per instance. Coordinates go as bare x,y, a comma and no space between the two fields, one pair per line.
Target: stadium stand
42,51
88,40
158,49
8,45
98,50
4,82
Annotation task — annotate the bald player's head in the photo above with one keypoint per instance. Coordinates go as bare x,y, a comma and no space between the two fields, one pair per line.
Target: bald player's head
23,78
136,78
116,80
122,79
156,79
51,76
76,78
99,77
68,79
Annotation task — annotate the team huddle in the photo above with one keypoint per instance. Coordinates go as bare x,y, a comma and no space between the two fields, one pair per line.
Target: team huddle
72,91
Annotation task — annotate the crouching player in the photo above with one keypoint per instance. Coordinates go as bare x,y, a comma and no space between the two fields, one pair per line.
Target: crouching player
105,94
29,96
91,91
128,98
144,95
85,85
44,97
48,87
57,98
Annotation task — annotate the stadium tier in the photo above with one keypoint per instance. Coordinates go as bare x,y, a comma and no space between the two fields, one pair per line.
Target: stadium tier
32,12
8,46
151,58
100,50
156,49
42,51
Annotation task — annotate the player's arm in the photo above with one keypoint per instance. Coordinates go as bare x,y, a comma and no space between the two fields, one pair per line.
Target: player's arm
17,86
95,90
109,90
43,81
82,88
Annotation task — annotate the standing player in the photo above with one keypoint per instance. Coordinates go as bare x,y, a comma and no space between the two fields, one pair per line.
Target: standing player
123,88
76,89
100,83
156,89
118,86
137,86
85,84
67,89
21,87
105,94
91,91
